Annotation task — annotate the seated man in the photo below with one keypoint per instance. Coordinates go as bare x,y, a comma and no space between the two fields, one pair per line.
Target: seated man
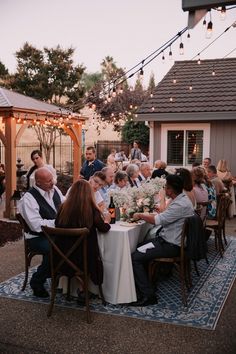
167,242
39,207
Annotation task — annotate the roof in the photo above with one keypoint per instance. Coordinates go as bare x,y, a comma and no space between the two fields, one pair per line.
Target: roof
11,99
210,93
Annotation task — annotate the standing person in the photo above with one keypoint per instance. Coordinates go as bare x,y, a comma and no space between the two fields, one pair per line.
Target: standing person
135,152
167,243
37,159
38,207
78,211
111,160
91,165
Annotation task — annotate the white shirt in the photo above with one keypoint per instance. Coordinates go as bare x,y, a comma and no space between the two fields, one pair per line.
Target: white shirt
29,209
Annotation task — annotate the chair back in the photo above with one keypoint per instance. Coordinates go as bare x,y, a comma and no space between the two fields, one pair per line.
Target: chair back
78,236
196,247
223,204
23,223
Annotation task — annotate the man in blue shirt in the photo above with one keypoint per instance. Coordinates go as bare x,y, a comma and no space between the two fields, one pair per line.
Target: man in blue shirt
91,165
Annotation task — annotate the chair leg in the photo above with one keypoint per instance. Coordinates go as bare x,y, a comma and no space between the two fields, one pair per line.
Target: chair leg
196,268
225,240
182,280
27,265
88,314
101,295
53,294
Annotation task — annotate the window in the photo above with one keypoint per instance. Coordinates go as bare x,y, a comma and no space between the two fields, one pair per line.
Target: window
184,144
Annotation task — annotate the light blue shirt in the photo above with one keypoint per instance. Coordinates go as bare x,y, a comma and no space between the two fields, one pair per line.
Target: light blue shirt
172,219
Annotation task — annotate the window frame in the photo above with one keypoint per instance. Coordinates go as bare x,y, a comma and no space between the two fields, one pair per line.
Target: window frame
205,127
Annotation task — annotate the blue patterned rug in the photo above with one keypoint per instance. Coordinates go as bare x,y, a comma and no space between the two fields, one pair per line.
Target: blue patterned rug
205,300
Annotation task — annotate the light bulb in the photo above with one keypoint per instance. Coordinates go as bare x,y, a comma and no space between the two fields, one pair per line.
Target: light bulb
163,57
209,29
114,92
222,12
153,108
170,54
141,73
204,23
181,48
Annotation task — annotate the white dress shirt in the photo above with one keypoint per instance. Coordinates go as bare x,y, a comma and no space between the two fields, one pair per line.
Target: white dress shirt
29,209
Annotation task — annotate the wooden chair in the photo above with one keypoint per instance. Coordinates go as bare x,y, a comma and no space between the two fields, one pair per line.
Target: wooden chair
63,264
218,225
29,254
183,261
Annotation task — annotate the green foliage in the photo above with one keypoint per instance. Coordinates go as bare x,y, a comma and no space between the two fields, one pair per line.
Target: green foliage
48,74
3,70
135,131
151,84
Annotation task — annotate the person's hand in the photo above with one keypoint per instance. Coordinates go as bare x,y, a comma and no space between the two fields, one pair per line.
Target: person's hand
136,216
106,216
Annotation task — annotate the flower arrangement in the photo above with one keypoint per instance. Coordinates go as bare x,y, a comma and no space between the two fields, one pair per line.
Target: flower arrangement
141,199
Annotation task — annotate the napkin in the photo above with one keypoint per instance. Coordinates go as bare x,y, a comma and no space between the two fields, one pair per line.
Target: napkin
145,247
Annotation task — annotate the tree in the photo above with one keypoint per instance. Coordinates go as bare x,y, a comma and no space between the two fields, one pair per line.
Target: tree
151,84
135,131
48,74
4,74
47,137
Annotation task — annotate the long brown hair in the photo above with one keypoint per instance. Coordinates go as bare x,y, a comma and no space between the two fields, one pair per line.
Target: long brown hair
78,209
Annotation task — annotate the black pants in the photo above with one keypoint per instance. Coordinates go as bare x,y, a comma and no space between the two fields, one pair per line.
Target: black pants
140,261
40,244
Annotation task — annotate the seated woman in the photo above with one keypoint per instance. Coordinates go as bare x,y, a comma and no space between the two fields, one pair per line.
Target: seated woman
121,180
80,210
132,171
199,188
186,176
225,175
159,169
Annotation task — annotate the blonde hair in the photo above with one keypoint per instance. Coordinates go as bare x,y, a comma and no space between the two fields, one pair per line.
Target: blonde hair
222,166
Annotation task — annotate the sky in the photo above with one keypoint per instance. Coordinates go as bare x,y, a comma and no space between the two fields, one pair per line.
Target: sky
127,30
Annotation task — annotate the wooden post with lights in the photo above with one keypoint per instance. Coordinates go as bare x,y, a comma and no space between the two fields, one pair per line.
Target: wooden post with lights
10,168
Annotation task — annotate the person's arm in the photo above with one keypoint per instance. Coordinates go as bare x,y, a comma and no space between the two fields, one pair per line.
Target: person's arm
100,224
29,209
150,218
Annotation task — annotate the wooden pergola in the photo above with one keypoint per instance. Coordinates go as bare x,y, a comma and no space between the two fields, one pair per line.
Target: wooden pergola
17,112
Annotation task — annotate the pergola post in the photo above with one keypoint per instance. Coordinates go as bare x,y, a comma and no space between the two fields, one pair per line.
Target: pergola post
10,168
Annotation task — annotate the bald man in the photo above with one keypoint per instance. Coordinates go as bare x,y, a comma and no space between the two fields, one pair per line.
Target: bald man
39,207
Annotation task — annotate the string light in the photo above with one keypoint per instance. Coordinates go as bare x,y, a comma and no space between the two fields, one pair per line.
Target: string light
190,86
204,22
209,28
174,79
163,57
199,60
222,12
213,71
170,54
114,92
153,108
181,47
188,35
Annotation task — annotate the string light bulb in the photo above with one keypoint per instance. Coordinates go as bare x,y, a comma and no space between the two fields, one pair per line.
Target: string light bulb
153,108
141,73
114,92
190,86
199,60
188,35
213,71
174,79
181,47
204,22
170,54
163,57
222,12
209,28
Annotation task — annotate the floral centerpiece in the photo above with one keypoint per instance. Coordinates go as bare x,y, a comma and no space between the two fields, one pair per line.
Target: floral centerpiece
142,199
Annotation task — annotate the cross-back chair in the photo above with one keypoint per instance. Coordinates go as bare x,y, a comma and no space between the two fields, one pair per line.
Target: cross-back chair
62,262
29,254
218,225
193,247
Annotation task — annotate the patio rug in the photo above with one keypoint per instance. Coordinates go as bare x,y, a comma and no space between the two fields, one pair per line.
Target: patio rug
205,300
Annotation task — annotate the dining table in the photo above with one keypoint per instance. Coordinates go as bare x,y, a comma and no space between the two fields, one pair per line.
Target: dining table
116,247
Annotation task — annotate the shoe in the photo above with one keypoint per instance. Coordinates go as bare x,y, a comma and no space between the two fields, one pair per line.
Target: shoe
145,301
40,292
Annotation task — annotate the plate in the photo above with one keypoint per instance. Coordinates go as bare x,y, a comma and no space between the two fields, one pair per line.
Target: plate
130,224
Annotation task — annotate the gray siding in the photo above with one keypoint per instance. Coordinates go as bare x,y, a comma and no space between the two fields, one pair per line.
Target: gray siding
223,143
157,142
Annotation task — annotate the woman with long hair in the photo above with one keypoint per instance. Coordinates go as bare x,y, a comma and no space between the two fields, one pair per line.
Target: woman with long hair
80,210
223,172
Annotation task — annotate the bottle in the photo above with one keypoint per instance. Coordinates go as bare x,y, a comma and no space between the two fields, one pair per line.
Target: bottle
112,211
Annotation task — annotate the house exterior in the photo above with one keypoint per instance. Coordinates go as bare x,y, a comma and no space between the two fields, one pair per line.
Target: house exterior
192,113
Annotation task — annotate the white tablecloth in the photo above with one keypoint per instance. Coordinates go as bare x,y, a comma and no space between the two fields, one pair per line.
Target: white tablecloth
116,247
